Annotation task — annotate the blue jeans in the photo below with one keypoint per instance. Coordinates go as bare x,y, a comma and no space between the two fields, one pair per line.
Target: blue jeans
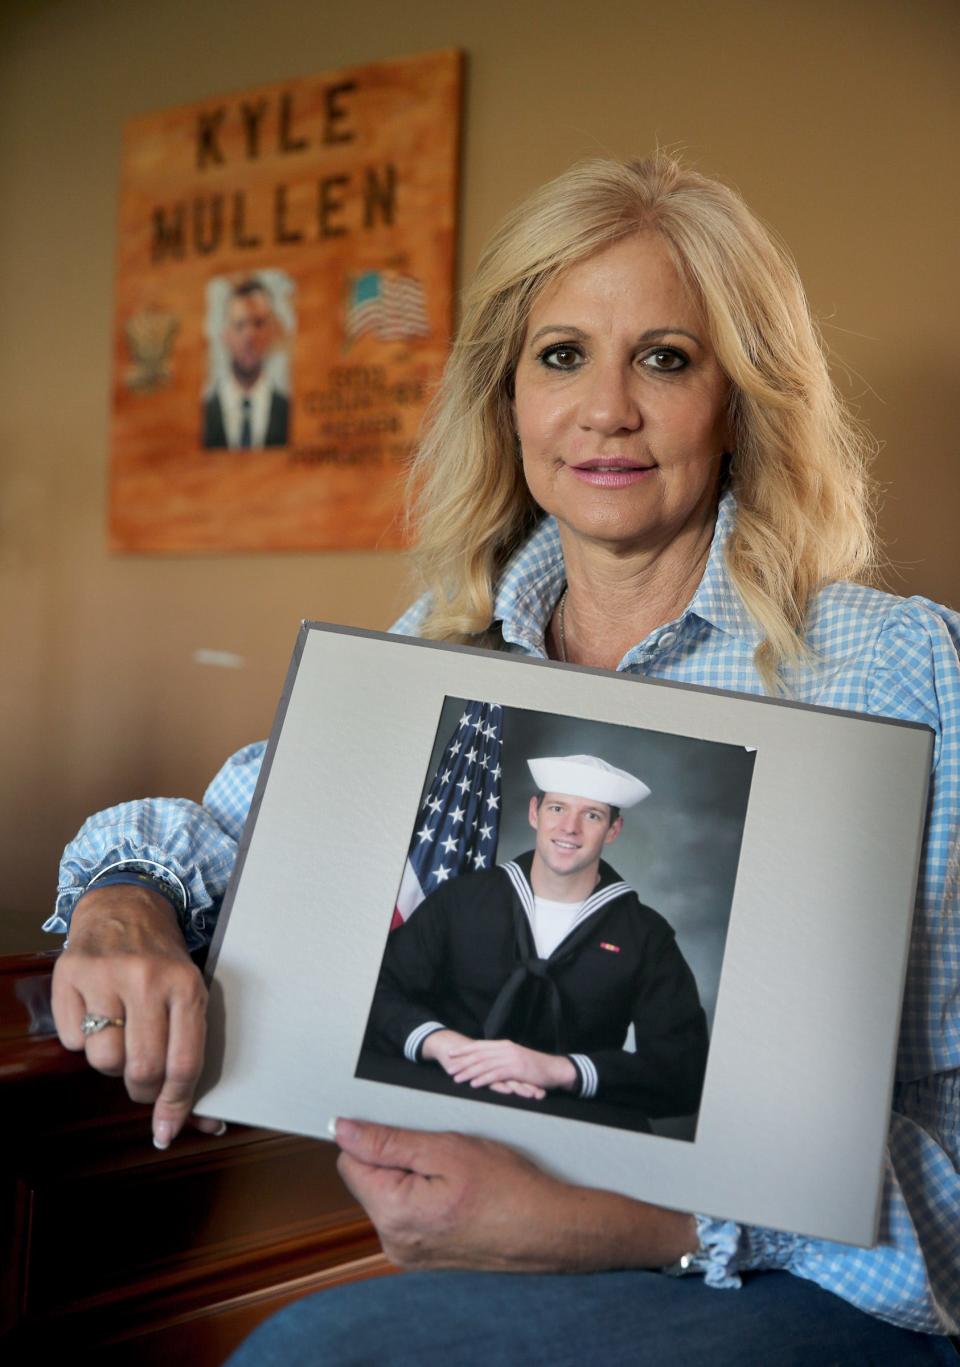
615,1319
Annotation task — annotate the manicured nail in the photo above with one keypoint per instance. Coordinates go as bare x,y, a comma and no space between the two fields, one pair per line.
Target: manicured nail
162,1134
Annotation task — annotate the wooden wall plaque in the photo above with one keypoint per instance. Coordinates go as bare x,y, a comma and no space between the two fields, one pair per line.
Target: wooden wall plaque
283,308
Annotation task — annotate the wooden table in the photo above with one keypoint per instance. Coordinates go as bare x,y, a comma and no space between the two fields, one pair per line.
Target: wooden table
111,1249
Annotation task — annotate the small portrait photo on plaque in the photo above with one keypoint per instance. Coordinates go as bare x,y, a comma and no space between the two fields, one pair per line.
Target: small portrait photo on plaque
249,321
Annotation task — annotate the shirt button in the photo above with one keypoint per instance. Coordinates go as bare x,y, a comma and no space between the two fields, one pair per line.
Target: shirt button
667,639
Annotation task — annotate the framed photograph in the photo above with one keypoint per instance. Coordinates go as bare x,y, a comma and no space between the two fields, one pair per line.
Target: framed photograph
622,963
652,935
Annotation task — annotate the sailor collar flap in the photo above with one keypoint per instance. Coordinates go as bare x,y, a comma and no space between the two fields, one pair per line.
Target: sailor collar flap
530,990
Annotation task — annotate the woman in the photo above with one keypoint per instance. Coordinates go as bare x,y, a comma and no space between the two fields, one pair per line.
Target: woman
637,362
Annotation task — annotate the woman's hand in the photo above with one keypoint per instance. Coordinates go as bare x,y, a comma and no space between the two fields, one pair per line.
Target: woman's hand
445,1200
127,960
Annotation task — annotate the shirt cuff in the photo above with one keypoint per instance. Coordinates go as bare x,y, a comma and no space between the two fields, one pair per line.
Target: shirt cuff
727,1249
415,1039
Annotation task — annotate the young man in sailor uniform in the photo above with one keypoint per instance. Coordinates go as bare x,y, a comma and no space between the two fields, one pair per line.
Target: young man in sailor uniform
526,977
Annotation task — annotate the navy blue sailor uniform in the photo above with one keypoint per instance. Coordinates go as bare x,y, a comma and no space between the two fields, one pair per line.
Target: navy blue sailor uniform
467,958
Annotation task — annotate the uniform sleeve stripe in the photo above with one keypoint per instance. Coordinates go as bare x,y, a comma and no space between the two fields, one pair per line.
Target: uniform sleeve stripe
589,1080
415,1039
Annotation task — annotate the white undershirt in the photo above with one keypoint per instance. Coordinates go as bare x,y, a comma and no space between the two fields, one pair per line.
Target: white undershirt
232,396
552,922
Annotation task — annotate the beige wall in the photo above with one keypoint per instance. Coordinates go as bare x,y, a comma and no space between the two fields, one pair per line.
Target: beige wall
838,120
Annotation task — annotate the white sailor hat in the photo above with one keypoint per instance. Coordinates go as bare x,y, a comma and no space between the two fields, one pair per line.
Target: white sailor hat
587,776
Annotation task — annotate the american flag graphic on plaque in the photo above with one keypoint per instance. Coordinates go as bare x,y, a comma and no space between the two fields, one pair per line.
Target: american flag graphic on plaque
390,306
460,817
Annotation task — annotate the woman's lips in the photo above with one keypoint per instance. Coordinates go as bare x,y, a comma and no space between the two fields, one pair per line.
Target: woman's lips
610,474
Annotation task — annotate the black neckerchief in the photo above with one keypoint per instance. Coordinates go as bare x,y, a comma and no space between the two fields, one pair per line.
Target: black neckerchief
530,996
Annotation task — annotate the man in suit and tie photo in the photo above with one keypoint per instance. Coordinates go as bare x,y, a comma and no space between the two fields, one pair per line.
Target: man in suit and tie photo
245,409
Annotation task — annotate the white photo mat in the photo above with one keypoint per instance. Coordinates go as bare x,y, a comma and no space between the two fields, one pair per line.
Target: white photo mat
795,1103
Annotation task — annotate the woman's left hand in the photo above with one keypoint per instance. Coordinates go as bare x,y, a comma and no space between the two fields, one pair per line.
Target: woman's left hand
447,1200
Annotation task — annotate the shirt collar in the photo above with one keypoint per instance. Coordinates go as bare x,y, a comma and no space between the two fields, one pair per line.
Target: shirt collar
530,587
716,600
236,393
533,581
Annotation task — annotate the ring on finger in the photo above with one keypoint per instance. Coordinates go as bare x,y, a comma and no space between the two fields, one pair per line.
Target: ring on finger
93,1024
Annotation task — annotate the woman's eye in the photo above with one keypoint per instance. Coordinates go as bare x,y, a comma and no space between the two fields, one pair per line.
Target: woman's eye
665,359
561,357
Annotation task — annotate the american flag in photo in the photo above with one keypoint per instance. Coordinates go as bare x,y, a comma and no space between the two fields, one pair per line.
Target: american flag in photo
460,818
391,306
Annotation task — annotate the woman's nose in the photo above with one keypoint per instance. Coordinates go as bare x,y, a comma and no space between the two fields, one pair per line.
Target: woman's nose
609,402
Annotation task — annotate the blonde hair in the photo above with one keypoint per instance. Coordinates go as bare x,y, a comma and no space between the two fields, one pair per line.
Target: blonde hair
799,465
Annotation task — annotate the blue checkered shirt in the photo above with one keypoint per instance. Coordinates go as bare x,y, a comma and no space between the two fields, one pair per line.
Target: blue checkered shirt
874,653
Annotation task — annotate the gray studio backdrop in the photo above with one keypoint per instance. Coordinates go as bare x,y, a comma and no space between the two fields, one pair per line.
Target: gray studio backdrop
679,849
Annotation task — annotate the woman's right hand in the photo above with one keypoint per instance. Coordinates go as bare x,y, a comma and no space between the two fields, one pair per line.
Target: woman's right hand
126,959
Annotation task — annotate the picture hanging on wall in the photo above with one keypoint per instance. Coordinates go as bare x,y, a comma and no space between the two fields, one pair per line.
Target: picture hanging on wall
283,308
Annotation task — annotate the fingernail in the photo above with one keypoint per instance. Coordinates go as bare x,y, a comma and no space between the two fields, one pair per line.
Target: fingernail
345,1129
332,1127
162,1134
220,1130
